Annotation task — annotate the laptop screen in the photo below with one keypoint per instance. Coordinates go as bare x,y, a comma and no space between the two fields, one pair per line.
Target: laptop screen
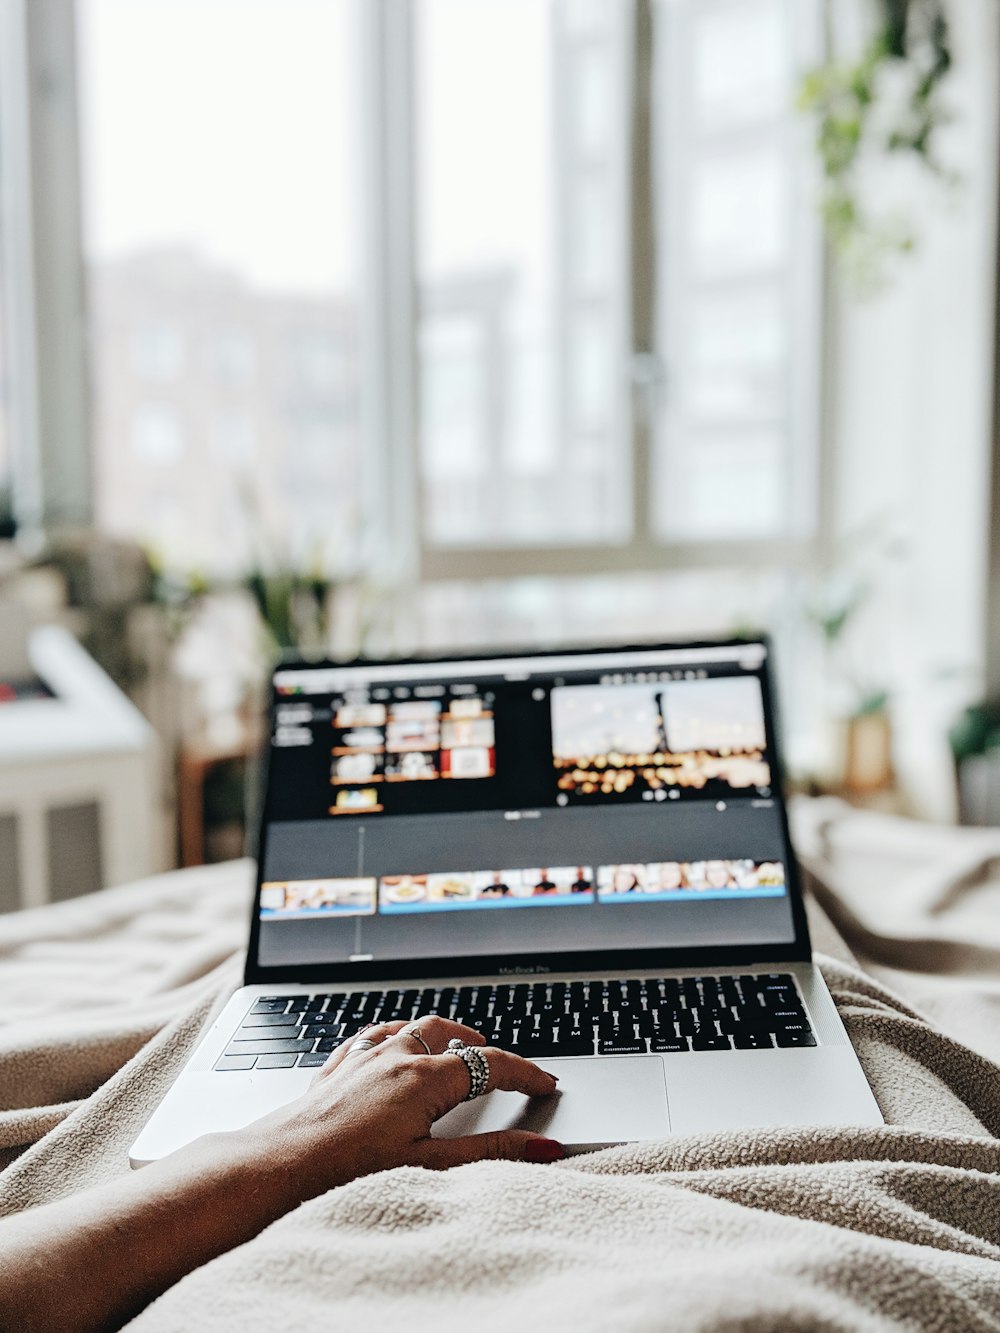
530,806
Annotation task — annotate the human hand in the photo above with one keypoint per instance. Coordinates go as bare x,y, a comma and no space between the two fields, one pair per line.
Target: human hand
111,1250
373,1108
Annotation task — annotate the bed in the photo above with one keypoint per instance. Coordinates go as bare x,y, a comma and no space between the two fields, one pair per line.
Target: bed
102,998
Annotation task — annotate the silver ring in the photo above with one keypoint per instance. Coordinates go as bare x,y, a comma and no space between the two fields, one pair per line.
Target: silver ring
362,1044
415,1033
476,1062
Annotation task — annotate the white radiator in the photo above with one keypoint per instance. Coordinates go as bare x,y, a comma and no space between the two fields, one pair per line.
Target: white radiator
78,782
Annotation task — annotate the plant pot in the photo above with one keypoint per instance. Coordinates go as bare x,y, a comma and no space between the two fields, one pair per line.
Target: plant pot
868,757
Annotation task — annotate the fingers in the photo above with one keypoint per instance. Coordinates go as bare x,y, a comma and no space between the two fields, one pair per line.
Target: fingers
435,1030
512,1073
514,1145
375,1032
508,1073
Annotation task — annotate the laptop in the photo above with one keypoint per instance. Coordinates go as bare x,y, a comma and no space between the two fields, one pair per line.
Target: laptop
583,855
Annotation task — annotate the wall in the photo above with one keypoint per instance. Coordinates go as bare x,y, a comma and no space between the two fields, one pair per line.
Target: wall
910,419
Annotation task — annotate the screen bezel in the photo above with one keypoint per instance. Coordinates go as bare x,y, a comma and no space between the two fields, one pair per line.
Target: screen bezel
535,964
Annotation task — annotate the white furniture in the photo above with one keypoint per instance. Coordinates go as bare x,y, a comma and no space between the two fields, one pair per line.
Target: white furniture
78,781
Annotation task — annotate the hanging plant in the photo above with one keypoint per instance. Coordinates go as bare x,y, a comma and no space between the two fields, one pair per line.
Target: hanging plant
888,101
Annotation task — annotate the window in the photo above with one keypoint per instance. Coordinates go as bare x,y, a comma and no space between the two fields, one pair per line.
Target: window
521,348
660,426
219,237
157,353
518,295
156,435
231,357
737,312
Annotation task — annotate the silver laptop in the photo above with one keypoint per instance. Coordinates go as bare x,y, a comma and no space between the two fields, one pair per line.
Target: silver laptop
582,855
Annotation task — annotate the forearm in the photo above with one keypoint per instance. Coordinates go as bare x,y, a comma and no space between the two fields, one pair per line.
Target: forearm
94,1260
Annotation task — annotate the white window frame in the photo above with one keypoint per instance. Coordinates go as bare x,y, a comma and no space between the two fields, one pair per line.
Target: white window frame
43,253
43,267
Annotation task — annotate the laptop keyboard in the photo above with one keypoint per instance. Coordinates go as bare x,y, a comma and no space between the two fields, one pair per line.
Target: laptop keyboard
667,1016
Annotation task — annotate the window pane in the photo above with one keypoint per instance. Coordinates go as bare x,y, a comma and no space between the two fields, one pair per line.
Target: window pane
737,239
221,209
630,608
521,211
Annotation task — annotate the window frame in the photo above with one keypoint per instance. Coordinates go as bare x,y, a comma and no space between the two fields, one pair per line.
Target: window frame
43,265
44,260
647,375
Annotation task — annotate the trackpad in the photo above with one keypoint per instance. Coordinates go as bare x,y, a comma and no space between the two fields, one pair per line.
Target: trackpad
617,1099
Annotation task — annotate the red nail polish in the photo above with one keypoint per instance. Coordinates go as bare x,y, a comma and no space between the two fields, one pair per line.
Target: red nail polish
543,1150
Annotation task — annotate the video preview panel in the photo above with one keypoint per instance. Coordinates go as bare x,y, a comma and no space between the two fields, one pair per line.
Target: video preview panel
649,739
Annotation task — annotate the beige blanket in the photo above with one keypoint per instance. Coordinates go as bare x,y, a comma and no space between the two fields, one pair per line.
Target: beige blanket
830,1229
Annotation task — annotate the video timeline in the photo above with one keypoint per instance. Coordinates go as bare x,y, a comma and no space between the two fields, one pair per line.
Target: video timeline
540,886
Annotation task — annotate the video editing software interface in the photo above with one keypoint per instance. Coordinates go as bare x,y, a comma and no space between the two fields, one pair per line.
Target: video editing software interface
607,800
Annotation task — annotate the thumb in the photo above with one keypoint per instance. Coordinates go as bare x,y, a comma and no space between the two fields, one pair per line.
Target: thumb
512,1145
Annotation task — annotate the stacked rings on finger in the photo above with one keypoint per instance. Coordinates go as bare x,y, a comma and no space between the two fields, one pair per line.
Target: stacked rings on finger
476,1062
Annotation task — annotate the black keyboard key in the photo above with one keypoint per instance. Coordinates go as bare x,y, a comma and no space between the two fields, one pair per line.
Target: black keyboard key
315,1030
484,1026
753,1041
537,1047
621,1047
328,1044
236,1062
669,1045
616,1034
797,1038
270,1034
276,1061
574,1046
275,1006
731,994
710,1041
267,1020
268,1047
312,1060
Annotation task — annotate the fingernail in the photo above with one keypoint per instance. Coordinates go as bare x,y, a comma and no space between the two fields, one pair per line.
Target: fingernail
544,1150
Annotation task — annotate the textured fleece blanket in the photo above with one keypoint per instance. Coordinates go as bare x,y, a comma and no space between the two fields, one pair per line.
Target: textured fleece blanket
824,1229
